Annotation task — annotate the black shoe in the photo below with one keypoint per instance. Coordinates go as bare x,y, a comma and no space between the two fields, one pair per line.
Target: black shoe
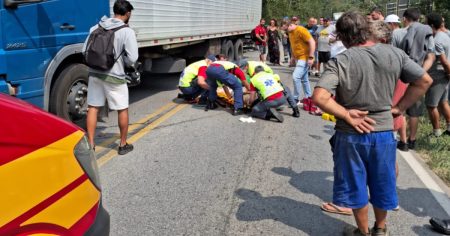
180,95
296,112
441,226
446,132
125,149
202,102
402,146
411,144
276,115
238,112
211,105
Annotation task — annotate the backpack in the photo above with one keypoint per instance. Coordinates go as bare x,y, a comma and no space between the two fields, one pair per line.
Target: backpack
253,35
99,52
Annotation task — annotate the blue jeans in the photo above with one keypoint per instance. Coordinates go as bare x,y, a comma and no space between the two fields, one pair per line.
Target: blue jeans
193,91
301,79
290,99
218,73
260,110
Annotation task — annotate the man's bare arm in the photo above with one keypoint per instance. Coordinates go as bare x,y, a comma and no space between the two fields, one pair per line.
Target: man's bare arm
202,82
356,118
428,62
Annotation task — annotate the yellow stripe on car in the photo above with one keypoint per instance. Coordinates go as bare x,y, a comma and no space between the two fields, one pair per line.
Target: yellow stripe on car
34,177
78,202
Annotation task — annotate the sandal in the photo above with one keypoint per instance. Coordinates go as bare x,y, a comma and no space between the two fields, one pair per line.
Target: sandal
331,208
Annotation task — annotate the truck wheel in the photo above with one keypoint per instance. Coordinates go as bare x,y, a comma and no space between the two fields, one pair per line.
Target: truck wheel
68,98
238,50
228,49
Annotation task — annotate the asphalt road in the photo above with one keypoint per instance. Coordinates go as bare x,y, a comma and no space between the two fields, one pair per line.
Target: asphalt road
206,173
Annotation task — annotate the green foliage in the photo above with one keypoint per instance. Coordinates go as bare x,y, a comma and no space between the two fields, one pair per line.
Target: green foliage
316,8
435,150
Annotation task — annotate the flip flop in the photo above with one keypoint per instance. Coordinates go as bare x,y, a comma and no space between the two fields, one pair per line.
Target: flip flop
334,209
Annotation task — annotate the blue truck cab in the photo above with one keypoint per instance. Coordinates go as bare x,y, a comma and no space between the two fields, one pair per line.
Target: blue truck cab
40,52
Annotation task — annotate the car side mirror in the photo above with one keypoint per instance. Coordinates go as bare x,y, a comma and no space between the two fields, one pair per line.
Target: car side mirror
15,3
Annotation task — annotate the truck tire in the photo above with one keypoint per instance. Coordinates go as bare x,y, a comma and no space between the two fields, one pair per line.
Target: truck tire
228,49
238,50
68,98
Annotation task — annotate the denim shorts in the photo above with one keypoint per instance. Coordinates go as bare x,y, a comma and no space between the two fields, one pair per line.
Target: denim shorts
361,162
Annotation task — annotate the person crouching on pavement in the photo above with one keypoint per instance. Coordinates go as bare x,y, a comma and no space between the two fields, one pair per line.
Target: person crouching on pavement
189,80
270,94
225,73
363,79
249,68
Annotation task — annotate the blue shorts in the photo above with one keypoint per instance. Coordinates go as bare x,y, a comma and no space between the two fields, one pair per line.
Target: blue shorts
361,162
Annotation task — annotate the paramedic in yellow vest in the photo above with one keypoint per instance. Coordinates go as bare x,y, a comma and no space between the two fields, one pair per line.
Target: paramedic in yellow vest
270,95
190,79
249,68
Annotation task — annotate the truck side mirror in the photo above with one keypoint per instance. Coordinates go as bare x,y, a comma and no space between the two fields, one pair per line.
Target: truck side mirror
14,3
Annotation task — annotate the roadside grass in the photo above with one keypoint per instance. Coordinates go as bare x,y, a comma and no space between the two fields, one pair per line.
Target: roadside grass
435,150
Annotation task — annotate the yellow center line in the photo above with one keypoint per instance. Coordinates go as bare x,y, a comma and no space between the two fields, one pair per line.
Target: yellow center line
101,146
113,153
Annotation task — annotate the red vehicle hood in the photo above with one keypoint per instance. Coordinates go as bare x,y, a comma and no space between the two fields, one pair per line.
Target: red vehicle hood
25,128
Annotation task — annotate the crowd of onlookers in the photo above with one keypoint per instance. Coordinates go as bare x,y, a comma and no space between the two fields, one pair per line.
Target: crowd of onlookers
392,69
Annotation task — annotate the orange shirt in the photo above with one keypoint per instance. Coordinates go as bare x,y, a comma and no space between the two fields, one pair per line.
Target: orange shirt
299,43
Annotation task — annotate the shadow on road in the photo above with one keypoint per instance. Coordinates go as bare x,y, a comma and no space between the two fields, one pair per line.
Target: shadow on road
153,84
303,216
420,202
318,183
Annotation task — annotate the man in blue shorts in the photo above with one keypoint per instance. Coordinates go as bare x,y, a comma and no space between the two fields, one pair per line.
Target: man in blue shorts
363,79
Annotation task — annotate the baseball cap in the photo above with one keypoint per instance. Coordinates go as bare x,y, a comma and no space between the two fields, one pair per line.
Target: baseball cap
242,63
392,19
211,57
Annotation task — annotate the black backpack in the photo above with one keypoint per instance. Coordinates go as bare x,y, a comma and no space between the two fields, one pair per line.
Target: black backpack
99,52
253,36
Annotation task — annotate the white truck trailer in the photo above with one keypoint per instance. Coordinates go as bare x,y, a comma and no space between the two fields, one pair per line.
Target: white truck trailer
41,42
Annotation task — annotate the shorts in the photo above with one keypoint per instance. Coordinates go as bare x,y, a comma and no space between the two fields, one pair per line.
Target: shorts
437,93
361,162
417,109
99,91
324,57
261,48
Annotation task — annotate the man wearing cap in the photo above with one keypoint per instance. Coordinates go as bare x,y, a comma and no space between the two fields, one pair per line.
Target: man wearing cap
249,67
393,21
189,80
261,36
303,47
229,74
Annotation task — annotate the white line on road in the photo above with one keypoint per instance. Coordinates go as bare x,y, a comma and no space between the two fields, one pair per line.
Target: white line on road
437,192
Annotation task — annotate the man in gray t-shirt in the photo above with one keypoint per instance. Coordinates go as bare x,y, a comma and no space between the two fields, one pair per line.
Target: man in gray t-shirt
410,20
437,94
366,86
363,79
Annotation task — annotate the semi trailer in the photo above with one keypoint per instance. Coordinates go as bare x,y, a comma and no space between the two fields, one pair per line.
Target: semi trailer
41,42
